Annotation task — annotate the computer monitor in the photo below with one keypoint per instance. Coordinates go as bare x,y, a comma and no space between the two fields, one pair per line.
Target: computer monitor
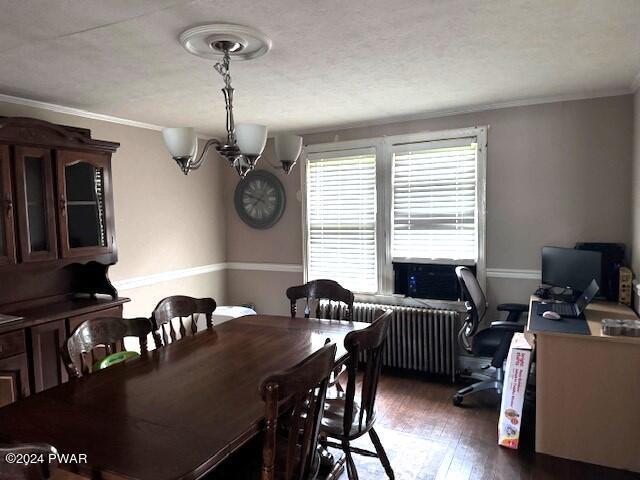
570,268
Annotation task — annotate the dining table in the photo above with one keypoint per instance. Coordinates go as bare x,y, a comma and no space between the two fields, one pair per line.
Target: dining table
175,412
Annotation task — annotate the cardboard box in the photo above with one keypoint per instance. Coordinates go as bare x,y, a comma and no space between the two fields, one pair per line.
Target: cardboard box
515,384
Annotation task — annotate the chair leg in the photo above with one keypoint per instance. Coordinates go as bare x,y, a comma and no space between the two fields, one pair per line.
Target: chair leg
477,387
381,454
352,473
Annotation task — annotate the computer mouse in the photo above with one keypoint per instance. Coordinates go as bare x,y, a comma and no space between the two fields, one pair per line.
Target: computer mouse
551,315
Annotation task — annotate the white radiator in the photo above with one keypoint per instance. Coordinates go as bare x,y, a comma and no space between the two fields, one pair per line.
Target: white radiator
420,339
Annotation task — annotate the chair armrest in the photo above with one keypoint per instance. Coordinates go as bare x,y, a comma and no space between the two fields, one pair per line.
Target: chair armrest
513,307
508,326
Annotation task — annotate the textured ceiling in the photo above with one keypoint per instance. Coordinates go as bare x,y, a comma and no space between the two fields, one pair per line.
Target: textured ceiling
333,62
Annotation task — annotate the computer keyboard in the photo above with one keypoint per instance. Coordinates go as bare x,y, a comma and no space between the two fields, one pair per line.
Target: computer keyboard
565,309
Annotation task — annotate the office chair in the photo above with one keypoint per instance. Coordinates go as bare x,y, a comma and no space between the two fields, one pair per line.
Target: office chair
493,341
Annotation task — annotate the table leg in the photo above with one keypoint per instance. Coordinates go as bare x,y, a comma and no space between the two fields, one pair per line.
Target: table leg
330,467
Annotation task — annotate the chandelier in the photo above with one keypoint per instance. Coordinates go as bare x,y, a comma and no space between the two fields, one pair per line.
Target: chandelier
245,142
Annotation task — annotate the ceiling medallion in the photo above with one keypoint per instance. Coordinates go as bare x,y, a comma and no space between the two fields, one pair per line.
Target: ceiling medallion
245,143
201,40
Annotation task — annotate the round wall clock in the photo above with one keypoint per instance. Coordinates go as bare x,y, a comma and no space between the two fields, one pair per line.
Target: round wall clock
260,199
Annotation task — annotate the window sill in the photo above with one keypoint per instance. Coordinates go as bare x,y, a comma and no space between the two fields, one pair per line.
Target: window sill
402,301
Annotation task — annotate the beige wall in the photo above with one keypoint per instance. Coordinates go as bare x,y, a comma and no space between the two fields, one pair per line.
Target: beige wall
165,221
635,196
635,256
557,173
281,243
263,289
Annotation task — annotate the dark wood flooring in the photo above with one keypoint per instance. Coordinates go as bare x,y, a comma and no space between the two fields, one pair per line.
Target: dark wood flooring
426,437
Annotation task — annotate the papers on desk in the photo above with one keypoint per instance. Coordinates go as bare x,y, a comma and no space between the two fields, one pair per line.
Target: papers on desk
513,388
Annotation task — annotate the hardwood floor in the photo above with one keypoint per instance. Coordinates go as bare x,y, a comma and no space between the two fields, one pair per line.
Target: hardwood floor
426,437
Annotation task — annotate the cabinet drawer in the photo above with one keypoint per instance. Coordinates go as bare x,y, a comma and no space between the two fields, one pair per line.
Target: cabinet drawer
12,343
14,379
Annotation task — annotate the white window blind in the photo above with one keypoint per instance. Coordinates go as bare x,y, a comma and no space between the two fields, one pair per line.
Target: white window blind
341,218
435,213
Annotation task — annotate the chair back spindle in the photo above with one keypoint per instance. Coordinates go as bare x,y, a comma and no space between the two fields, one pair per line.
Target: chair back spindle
306,386
368,343
340,299
108,332
178,309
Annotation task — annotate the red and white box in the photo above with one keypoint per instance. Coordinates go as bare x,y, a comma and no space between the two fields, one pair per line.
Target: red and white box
515,384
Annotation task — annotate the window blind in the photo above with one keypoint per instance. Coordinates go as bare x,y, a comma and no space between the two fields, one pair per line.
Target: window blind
341,218
435,201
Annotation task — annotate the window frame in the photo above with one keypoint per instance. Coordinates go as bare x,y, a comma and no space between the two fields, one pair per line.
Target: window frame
383,147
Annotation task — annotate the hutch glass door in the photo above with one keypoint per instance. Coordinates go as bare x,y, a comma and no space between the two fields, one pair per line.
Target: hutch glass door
84,217
36,213
7,242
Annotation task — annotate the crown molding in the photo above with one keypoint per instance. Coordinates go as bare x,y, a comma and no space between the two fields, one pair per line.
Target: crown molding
76,112
473,109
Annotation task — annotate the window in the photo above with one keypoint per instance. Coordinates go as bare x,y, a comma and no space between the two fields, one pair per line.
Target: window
341,218
418,197
434,201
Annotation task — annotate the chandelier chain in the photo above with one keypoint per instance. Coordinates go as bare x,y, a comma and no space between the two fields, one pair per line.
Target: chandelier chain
223,69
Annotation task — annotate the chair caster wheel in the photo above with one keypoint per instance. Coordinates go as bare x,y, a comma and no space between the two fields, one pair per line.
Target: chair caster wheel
457,400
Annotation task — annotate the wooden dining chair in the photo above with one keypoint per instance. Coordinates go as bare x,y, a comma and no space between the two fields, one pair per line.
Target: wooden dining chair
340,300
345,418
294,403
12,470
180,307
338,306
79,353
305,385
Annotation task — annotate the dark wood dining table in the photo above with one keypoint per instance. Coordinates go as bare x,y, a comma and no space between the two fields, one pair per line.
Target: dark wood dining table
176,412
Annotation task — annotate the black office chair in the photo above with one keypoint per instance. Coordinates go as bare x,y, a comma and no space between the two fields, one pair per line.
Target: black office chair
493,341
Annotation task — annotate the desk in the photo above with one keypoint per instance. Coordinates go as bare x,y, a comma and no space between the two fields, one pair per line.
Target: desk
178,411
588,393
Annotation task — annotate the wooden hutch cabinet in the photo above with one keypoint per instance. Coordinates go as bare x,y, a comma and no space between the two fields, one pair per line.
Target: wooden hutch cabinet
57,241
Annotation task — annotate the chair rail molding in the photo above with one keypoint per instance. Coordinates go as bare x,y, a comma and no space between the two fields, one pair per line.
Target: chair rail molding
160,277
155,278
266,267
514,273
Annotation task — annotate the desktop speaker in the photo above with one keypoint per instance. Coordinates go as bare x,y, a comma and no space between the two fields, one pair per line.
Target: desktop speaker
625,286
612,260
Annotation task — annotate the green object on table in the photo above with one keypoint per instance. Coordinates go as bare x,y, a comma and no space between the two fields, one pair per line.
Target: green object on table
113,359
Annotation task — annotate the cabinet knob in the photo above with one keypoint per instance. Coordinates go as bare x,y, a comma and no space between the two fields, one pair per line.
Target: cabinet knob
9,202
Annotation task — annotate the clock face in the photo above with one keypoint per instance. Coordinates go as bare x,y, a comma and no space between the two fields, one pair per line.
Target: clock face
260,199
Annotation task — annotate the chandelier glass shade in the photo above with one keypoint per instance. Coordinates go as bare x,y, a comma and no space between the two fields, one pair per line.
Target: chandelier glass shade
245,142
181,141
288,149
